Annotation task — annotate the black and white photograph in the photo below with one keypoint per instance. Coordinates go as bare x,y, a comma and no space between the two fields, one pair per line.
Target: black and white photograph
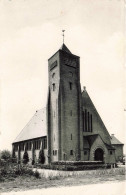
62,97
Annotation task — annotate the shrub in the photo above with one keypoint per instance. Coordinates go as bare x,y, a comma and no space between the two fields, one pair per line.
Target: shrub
3,172
25,158
41,157
6,155
33,162
37,174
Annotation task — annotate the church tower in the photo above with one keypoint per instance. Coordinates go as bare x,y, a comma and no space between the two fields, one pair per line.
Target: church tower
63,106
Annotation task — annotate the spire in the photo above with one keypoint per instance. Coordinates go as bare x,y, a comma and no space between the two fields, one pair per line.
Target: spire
63,35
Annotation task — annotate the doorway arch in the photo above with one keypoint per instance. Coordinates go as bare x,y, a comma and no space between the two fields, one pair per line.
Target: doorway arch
99,154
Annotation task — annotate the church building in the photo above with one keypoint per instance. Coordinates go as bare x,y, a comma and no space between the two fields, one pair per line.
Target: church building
69,128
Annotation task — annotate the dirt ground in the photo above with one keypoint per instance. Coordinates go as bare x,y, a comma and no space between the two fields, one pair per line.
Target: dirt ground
26,183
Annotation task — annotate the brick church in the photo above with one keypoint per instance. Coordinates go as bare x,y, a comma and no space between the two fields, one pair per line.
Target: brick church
69,128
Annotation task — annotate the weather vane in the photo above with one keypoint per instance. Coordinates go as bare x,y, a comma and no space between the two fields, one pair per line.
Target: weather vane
63,35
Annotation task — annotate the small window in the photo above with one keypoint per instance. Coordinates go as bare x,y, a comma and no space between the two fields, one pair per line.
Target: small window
54,86
70,85
71,136
53,75
71,152
70,74
53,153
110,152
85,152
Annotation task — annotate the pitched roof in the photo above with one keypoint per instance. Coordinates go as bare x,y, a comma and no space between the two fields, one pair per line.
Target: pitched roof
35,128
64,48
92,138
114,140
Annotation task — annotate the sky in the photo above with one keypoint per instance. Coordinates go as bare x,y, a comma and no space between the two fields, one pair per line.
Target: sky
31,32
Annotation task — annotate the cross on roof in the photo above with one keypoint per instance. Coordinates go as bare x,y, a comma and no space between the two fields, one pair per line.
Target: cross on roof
63,35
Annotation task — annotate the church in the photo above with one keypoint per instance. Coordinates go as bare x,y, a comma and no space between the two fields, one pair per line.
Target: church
69,128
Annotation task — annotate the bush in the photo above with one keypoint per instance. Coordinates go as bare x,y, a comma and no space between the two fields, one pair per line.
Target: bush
6,155
3,172
25,158
41,157
37,174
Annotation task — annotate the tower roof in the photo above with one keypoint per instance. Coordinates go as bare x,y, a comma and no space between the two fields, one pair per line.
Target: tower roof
64,48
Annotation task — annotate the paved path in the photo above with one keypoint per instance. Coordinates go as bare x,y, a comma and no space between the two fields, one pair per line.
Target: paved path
118,188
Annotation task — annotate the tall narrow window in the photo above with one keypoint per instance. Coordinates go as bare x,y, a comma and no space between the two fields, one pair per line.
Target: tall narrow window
54,86
71,136
71,152
88,122
85,117
70,85
83,121
91,123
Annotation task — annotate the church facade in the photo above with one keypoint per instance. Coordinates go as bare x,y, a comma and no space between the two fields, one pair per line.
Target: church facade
69,128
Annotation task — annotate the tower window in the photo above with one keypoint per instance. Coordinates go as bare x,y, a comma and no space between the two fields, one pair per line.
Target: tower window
54,86
70,85
70,74
85,152
71,137
110,152
71,152
53,75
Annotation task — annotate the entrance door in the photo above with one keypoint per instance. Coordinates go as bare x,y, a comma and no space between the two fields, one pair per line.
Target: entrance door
99,154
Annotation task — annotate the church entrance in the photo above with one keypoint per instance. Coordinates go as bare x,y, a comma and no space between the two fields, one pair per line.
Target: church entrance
98,154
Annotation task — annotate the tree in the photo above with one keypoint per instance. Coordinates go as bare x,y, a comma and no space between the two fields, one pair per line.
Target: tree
5,154
25,158
41,157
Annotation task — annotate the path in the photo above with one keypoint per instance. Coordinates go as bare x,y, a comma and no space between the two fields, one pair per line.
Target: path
117,188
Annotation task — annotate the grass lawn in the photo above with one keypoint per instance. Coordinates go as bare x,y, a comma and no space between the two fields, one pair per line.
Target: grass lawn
30,182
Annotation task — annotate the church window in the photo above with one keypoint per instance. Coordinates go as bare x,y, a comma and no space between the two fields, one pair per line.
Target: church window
110,152
54,86
70,74
22,146
71,136
70,85
45,143
87,121
29,145
91,122
85,152
71,152
55,152
16,147
53,75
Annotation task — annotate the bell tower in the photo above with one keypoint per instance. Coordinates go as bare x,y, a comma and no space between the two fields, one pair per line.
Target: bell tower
63,106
